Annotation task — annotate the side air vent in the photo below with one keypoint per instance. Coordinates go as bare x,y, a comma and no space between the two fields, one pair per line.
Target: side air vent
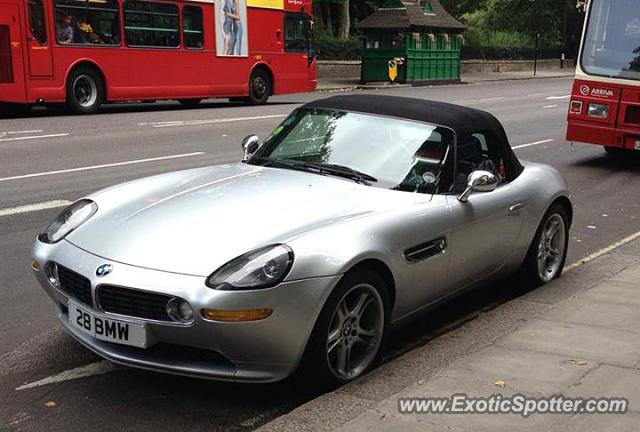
426,250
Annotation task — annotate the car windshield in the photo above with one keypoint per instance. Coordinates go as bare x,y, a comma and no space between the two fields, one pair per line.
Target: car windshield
612,42
381,151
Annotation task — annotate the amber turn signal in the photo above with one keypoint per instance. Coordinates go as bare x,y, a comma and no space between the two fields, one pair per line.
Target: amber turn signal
575,107
35,265
236,315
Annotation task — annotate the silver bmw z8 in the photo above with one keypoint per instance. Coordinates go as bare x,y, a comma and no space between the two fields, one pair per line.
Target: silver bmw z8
355,215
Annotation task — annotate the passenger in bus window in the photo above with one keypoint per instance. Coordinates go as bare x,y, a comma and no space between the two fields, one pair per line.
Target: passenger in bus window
64,30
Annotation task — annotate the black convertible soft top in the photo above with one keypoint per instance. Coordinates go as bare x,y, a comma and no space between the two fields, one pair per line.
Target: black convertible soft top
461,120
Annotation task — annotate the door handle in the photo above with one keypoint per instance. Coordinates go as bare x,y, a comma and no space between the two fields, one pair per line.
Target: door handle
515,209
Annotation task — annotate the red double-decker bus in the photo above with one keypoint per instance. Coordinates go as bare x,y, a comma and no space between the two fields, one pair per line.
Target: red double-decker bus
89,52
605,101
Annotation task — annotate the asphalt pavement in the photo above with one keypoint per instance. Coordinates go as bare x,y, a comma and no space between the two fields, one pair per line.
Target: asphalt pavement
48,159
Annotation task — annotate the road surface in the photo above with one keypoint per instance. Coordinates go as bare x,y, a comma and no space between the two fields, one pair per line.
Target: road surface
48,159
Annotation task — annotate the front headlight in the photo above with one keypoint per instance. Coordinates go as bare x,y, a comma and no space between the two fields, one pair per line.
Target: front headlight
262,268
70,218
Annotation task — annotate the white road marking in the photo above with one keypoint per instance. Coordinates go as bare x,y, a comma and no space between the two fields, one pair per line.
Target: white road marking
34,207
92,369
209,121
103,367
549,106
23,132
492,99
478,100
21,138
533,144
162,122
93,167
535,94
558,97
603,251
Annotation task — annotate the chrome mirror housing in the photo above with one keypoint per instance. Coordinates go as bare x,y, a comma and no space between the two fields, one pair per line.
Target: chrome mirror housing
479,181
250,145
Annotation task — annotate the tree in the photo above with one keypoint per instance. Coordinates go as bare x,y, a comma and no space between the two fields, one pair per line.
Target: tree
334,18
344,20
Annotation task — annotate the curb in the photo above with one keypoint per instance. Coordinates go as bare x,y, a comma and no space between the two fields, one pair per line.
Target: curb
397,86
423,360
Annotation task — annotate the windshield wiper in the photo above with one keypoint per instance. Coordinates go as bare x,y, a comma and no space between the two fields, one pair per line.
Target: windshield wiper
342,171
282,163
320,168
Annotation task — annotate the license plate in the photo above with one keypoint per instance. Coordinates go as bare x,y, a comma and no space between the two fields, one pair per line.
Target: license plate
107,329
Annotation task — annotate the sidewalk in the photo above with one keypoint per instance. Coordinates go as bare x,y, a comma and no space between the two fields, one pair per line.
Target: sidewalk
578,336
342,84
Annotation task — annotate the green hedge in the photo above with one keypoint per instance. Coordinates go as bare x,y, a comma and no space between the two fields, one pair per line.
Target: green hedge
334,49
510,53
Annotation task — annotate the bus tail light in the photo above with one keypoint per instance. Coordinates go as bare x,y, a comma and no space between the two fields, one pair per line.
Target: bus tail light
598,110
575,107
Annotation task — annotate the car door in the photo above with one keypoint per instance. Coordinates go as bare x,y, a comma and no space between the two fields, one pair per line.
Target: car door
418,238
485,228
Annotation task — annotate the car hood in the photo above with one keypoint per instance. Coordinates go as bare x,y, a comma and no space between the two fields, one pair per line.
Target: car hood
194,221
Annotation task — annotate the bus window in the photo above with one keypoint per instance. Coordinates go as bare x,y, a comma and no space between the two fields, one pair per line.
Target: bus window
295,33
192,27
150,24
87,22
36,21
611,46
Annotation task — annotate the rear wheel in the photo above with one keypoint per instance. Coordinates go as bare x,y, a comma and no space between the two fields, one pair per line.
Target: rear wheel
260,87
85,91
548,251
349,334
190,103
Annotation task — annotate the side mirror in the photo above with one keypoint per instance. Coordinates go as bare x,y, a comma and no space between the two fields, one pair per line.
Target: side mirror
250,145
479,181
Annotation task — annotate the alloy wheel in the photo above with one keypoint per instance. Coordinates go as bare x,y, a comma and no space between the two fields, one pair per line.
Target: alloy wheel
355,332
551,248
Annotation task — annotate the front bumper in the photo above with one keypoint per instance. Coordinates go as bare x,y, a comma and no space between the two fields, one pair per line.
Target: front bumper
259,351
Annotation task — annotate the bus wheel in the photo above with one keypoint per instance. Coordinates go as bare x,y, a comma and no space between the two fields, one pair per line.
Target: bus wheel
259,87
189,103
85,91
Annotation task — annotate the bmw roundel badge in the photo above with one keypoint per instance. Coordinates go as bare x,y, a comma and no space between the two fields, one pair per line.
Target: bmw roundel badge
104,270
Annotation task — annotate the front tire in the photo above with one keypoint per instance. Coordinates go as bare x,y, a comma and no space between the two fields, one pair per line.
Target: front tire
548,252
260,87
85,91
350,332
